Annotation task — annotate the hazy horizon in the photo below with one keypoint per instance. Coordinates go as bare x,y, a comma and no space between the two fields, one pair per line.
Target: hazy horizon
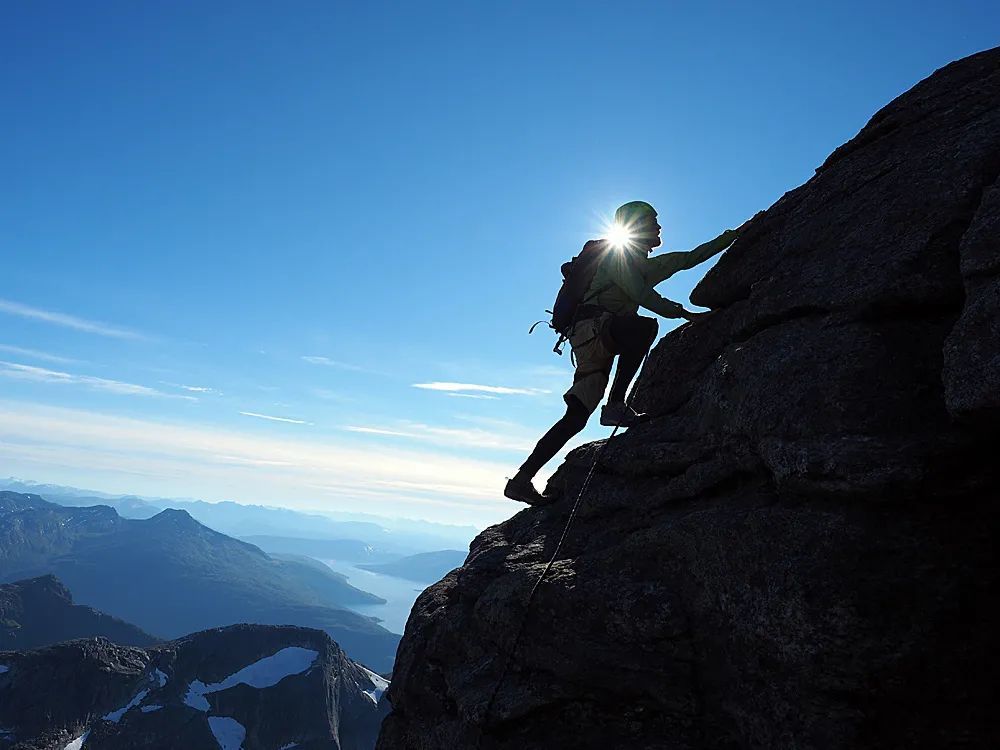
351,513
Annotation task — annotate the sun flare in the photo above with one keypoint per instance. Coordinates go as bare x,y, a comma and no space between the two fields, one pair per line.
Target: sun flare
619,236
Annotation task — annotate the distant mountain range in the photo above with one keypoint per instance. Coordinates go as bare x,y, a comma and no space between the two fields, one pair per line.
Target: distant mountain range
384,537
427,567
171,575
246,686
40,611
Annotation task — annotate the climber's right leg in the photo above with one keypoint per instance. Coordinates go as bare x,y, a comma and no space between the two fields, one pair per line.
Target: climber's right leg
632,336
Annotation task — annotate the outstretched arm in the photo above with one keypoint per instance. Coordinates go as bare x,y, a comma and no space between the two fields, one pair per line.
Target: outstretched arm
661,267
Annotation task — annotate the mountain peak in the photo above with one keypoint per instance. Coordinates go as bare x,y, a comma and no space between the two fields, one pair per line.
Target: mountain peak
44,586
12,502
175,517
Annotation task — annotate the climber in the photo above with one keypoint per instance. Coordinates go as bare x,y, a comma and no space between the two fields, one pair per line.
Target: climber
608,324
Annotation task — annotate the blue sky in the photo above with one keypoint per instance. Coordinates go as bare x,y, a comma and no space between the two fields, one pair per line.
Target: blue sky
214,214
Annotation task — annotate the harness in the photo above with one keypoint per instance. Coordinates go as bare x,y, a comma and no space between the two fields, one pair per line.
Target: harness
584,311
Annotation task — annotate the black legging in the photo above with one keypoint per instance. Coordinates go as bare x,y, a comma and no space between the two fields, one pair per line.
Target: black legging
631,335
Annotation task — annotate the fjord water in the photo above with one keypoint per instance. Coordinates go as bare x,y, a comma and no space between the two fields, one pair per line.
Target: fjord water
399,594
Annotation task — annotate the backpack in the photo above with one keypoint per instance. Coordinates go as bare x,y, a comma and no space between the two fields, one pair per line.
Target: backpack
578,274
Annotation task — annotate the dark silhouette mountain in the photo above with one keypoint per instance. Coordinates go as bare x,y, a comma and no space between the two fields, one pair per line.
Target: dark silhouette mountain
425,567
798,549
246,686
40,611
171,575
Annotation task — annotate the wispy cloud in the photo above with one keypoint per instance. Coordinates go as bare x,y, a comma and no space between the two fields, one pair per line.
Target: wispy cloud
481,396
433,487
242,461
450,436
193,388
327,362
31,373
379,431
35,354
272,418
67,321
476,388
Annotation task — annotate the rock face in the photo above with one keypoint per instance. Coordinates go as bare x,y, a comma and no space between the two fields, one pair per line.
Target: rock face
40,611
251,686
796,551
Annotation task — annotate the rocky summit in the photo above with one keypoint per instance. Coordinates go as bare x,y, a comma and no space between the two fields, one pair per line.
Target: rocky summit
254,687
796,551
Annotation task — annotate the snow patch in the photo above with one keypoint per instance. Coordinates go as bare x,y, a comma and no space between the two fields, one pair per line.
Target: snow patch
289,746
160,677
150,708
78,742
379,684
262,673
4,668
115,716
229,733
195,696
270,670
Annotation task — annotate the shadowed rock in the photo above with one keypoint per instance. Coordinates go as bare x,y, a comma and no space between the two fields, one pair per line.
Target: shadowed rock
266,686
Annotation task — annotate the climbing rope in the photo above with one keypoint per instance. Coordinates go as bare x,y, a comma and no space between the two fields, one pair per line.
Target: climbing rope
548,567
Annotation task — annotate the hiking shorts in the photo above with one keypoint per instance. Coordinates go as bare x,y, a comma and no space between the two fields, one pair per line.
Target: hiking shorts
594,358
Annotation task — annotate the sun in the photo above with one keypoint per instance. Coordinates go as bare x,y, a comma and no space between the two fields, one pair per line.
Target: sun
619,236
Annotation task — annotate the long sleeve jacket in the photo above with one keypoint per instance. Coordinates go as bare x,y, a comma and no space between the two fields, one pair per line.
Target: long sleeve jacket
625,279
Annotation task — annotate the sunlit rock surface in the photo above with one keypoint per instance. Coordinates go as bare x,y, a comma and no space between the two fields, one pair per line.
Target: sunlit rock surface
798,550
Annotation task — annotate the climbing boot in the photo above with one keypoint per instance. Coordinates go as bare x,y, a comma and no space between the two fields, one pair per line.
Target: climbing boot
620,415
521,489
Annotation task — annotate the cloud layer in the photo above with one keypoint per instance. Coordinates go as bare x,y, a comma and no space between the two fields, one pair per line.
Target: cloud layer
35,354
122,454
34,374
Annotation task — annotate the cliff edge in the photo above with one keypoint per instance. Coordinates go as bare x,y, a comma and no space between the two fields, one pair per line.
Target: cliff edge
797,550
